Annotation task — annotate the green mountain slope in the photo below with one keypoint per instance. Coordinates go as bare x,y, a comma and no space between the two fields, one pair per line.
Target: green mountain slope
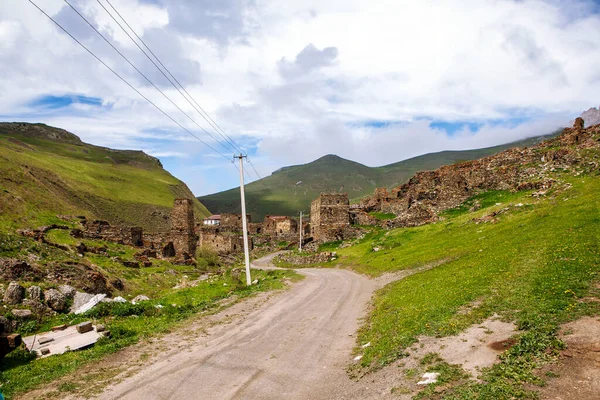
46,171
291,189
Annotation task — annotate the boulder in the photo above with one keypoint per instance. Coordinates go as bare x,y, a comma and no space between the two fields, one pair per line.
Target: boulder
35,293
37,307
68,291
14,294
84,327
55,300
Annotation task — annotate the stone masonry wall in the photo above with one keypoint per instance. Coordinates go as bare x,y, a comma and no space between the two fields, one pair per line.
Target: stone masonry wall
182,228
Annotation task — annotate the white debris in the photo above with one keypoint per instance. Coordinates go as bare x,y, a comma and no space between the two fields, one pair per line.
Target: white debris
428,378
358,358
119,299
139,298
254,282
376,249
364,346
158,306
90,304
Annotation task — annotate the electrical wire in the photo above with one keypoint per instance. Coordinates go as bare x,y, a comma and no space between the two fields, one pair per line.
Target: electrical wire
125,81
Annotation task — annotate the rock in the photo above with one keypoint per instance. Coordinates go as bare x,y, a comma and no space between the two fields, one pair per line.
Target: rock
68,291
45,351
82,249
14,294
59,328
376,249
37,307
428,378
84,327
119,299
90,304
35,293
95,283
80,299
56,300
100,328
139,298
236,274
130,264
44,340
255,282
22,313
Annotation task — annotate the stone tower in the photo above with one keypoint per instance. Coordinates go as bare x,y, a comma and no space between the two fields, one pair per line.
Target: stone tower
182,228
329,216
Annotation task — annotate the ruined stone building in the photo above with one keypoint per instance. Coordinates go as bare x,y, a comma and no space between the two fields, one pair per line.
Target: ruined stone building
183,237
226,237
330,217
280,227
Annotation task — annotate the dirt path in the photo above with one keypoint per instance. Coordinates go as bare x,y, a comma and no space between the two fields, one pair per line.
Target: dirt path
295,346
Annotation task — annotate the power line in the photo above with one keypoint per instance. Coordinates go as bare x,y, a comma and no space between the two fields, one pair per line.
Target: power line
197,106
125,81
145,77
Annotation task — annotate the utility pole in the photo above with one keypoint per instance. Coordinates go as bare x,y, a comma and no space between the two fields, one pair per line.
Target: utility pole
301,229
244,222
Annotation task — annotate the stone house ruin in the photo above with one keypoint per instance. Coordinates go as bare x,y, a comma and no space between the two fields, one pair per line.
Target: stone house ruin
212,220
280,227
226,237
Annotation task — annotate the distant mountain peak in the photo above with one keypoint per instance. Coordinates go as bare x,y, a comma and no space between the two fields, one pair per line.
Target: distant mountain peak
591,116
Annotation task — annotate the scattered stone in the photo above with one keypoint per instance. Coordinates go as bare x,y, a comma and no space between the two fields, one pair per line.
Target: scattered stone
22,313
35,293
84,327
139,298
376,249
55,300
37,307
68,291
364,346
428,378
117,284
45,351
255,282
119,299
82,249
14,294
100,328
45,340
130,264
358,358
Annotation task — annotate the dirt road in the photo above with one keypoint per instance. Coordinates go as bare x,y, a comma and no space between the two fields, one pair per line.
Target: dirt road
296,346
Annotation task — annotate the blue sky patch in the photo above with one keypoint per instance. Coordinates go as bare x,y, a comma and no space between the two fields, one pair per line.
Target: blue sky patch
57,102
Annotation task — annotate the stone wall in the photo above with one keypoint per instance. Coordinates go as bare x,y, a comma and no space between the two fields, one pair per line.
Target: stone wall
223,242
278,226
233,222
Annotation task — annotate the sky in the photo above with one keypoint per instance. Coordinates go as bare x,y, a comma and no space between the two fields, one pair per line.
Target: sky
289,81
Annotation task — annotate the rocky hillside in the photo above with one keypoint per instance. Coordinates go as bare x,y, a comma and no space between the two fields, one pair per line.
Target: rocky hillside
291,189
427,194
45,171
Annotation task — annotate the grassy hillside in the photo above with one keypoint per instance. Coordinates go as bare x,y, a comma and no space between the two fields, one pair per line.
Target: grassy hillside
46,171
537,265
291,189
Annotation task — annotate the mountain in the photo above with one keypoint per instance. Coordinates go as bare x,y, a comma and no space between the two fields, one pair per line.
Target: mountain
591,116
46,171
291,189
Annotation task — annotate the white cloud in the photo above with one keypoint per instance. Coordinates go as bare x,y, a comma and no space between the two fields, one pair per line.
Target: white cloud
300,78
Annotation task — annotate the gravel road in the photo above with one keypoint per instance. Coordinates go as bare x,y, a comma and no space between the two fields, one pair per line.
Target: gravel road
295,346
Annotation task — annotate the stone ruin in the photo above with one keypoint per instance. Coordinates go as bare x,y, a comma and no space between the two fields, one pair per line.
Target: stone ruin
183,237
426,194
330,218
225,238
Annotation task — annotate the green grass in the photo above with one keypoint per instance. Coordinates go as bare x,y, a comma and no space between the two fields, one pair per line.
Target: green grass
532,266
42,178
128,324
382,216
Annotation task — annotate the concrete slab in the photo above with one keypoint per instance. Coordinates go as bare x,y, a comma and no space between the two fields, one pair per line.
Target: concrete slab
60,342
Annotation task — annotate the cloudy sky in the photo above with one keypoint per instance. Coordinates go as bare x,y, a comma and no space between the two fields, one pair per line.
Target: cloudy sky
289,81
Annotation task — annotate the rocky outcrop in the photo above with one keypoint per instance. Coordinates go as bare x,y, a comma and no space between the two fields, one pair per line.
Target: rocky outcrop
35,293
